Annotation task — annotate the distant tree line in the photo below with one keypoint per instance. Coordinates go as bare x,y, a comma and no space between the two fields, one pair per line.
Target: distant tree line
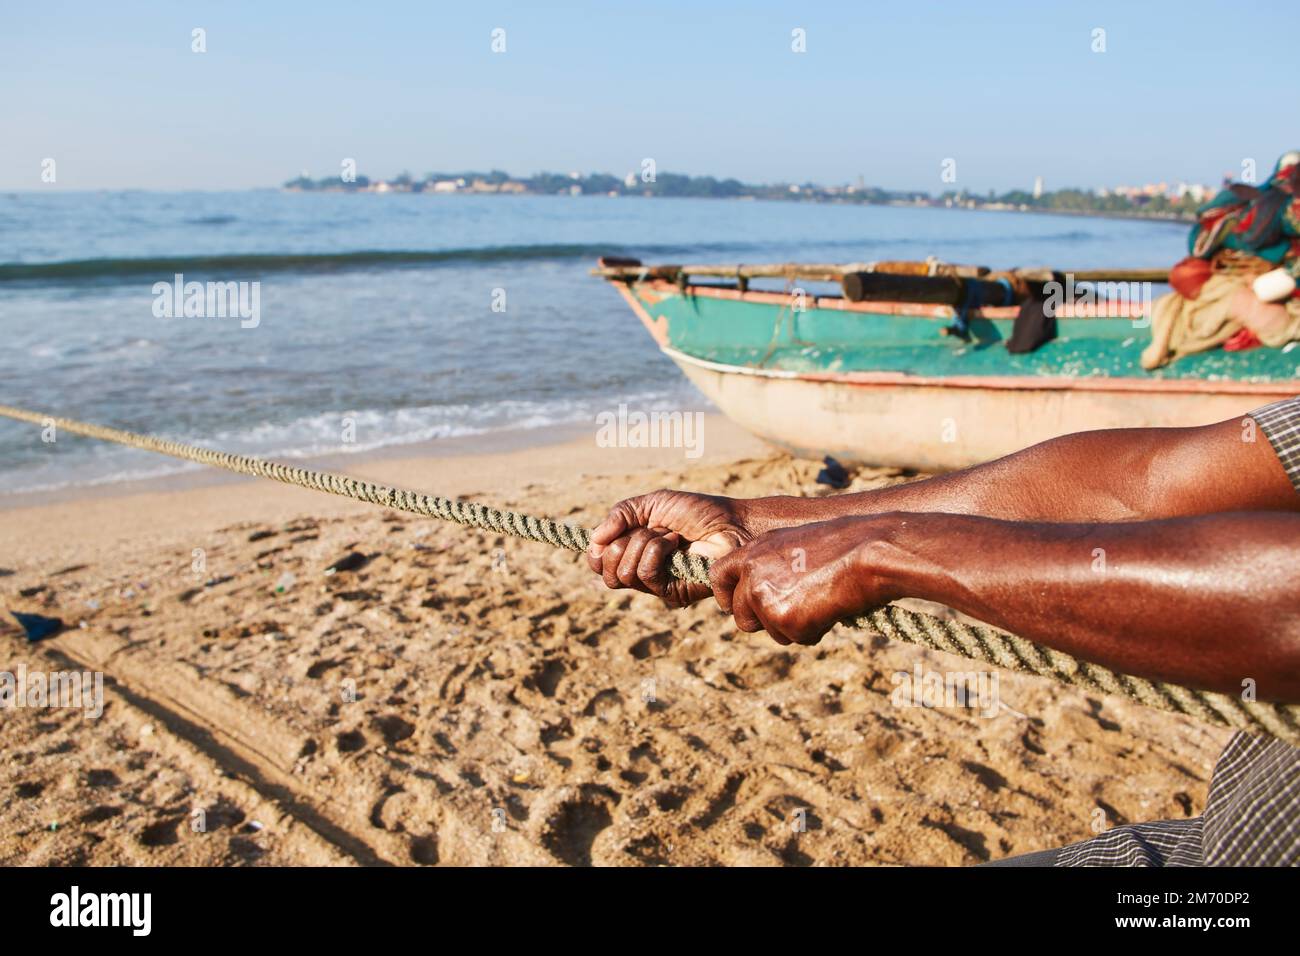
669,185
1082,200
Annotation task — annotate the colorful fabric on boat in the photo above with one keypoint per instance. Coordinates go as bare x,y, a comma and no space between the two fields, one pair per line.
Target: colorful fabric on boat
1263,221
1240,234
1252,811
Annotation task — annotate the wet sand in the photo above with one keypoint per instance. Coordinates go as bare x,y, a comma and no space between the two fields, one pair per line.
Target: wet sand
455,697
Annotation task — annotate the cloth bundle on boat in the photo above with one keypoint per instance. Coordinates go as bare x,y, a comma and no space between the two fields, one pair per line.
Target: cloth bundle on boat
1241,235
1216,318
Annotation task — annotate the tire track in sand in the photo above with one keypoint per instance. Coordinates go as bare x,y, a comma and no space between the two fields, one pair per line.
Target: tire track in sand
192,713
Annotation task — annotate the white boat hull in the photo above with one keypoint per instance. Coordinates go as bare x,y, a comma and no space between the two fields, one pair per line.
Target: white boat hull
942,427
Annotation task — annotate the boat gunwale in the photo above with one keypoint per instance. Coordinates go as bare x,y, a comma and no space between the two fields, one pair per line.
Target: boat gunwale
1124,308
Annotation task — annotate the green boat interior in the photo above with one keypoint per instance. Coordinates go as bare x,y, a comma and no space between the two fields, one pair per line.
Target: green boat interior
724,315
769,336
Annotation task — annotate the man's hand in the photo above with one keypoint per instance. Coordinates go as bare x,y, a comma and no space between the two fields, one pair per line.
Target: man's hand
798,583
633,546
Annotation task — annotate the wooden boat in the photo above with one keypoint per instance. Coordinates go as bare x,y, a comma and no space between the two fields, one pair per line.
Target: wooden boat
879,382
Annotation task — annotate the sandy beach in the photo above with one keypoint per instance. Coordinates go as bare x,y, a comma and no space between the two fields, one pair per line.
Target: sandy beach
450,697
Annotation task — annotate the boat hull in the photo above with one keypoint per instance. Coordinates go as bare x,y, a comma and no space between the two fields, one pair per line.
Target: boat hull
877,383
938,427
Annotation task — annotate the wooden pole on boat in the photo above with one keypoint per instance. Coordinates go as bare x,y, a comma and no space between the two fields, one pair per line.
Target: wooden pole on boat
941,290
884,287
1094,275
614,267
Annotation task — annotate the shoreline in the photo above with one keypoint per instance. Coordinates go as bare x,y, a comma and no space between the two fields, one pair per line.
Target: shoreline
40,527
192,476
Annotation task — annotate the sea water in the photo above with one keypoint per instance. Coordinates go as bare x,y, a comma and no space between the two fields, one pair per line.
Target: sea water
385,320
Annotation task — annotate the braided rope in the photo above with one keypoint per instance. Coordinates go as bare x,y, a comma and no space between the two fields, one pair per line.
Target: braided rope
977,642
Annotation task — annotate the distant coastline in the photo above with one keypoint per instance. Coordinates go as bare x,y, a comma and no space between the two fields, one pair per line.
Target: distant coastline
1150,203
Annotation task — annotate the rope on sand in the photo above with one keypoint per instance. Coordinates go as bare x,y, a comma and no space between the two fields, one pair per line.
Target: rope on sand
977,642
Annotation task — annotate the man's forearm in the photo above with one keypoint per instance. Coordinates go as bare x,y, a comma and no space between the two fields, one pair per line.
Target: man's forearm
1208,601
1109,475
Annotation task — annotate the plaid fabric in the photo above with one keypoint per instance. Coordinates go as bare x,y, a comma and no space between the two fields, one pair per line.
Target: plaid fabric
1252,813
1280,422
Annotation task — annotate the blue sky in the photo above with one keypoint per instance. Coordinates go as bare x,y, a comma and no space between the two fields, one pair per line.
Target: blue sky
1010,90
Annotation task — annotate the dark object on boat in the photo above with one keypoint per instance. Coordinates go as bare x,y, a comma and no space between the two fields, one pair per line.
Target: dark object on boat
1033,327
37,626
834,474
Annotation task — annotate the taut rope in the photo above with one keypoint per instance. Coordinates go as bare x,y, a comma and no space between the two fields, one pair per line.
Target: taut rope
975,641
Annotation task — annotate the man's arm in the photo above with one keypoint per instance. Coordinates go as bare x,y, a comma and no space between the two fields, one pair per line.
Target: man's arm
1207,601
1131,474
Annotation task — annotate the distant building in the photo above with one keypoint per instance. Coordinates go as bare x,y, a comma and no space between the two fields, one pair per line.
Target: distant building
1038,187
447,185
1139,195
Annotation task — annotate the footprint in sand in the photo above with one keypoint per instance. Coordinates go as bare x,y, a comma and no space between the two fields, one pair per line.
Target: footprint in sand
100,813
572,828
424,850
102,778
606,705
546,677
350,741
393,728
320,668
161,833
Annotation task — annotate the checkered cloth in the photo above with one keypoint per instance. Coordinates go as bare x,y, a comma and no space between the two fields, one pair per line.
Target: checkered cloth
1281,423
1252,815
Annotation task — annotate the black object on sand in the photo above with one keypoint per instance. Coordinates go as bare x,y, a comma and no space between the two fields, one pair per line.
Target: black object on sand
37,626
833,474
